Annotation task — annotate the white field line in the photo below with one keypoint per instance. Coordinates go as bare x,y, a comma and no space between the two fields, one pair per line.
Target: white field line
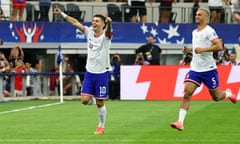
29,108
115,140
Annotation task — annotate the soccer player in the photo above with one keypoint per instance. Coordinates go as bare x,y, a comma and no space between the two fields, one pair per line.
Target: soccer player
203,68
95,83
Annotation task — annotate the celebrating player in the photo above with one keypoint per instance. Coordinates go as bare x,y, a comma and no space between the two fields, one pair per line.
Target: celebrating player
95,83
203,68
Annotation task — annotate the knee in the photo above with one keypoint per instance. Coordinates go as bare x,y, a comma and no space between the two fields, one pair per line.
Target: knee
214,98
187,94
84,100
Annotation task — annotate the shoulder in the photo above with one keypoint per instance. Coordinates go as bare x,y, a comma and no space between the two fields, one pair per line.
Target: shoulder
209,28
157,46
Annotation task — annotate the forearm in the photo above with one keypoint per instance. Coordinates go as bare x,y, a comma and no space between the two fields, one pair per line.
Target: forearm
108,28
72,21
212,48
68,86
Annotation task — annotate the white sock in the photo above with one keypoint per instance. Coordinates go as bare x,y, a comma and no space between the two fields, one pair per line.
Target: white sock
182,114
102,112
92,101
228,94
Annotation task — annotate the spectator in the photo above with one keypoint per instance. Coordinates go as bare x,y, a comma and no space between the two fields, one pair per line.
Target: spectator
18,79
15,54
194,9
221,56
150,51
1,11
215,7
139,60
18,7
114,82
44,6
138,7
78,85
4,68
233,60
53,80
71,82
66,61
186,60
68,80
165,10
37,82
236,48
235,7
29,79
1,42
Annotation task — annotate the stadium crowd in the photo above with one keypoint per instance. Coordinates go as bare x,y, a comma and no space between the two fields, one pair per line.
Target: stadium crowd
22,76
22,10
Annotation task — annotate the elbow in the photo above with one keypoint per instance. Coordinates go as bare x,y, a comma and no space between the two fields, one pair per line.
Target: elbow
220,47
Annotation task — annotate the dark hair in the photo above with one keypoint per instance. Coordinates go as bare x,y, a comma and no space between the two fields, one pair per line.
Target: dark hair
103,18
35,63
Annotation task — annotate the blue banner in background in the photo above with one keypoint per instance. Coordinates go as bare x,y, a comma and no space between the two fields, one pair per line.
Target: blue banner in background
40,32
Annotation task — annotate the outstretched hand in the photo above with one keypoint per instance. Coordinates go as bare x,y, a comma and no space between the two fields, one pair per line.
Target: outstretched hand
57,10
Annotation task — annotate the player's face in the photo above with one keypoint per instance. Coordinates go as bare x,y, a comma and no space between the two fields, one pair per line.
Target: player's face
97,24
200,16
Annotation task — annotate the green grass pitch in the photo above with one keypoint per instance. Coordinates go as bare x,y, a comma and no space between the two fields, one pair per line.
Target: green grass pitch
128,122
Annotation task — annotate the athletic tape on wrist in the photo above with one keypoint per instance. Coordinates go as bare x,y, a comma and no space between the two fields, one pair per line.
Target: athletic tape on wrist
63,15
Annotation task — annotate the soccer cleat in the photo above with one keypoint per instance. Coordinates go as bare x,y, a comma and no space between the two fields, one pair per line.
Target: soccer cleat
99,131
177,125
233,98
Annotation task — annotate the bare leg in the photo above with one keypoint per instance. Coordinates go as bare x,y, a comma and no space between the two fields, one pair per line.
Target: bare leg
184,107
143,19
217,95
188,92
14,14
165,14
134,19
20,14
102,112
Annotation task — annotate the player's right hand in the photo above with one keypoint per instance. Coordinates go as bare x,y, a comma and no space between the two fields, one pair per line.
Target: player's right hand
57,10
184,50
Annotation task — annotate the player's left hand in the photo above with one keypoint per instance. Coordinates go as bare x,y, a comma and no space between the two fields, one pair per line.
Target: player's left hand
198,50
108,20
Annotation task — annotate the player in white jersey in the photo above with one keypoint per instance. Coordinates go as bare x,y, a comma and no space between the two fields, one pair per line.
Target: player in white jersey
203,68
95,83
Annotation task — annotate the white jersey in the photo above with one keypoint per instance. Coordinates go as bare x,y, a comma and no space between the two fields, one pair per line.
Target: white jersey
204,61
98,58
215,3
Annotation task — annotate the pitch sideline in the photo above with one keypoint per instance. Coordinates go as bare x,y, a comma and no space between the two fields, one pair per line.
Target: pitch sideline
29,108
111,140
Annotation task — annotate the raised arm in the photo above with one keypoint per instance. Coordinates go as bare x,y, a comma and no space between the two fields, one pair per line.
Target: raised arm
108,27
70,19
